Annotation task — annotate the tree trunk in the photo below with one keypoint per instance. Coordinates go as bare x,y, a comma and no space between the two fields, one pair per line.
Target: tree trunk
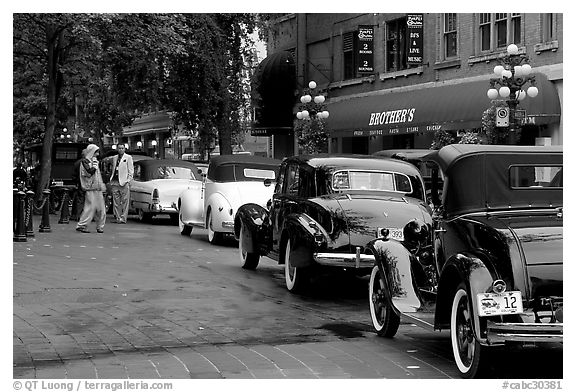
53,38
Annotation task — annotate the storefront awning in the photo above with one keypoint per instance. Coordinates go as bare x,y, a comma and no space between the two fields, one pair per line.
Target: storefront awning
447,107
149,123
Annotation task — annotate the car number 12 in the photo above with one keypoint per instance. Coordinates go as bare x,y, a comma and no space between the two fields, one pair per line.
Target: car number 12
492,304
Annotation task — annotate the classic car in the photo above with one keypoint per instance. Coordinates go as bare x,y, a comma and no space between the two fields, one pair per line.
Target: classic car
324,211
489,267
106,170
231,181
157,184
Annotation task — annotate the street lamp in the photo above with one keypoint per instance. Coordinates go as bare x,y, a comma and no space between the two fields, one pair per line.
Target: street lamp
512,74
139,144
312,106
154,143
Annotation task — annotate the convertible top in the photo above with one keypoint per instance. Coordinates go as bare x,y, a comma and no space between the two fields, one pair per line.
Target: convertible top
479,177
150,165
242,158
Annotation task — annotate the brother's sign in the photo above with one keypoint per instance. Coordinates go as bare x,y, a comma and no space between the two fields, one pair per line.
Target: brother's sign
392,117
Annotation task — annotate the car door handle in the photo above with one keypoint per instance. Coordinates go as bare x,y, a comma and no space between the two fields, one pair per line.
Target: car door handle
290,202
440,231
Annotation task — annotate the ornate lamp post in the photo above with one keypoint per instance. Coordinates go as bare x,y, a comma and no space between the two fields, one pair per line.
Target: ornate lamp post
310,120
512,74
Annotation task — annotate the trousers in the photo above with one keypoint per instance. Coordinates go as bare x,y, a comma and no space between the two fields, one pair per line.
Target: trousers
120,200
93,208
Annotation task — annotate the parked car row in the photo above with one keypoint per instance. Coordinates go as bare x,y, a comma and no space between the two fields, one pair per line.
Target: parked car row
467,238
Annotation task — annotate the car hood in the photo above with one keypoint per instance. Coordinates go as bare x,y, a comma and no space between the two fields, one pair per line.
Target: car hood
364,214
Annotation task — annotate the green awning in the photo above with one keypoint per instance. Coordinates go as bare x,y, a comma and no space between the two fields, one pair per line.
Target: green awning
446,107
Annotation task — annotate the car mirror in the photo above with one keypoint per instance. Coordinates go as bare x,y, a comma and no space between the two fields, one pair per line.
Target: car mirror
267,182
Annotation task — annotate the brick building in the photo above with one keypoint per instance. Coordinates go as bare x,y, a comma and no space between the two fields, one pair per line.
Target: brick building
402,88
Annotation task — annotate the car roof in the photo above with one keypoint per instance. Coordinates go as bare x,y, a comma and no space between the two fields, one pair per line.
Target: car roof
415,154
242,158
166,162
478,177
355,161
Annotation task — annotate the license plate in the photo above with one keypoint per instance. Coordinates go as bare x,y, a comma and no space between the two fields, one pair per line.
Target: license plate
394,233
492,304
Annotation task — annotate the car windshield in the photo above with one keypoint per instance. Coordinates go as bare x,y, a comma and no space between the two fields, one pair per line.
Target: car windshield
171,172
371,181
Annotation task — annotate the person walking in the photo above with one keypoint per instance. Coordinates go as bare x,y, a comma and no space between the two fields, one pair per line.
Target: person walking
79,193
92,183
120,179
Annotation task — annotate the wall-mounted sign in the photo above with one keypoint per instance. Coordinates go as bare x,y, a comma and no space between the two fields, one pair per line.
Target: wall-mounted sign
365,49
415,24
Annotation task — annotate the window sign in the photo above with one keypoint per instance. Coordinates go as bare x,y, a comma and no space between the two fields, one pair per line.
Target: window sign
415,23
365,49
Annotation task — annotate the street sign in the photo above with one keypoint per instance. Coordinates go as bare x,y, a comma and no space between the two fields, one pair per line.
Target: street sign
502,117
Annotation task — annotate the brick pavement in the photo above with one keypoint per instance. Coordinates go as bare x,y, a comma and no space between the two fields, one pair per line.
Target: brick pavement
81,310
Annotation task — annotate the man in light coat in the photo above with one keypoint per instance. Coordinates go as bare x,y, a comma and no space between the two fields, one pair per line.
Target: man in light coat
122,174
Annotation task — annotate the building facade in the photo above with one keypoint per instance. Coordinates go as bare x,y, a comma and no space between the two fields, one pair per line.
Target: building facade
396,80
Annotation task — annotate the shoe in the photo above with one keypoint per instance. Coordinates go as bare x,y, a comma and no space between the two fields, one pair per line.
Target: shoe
100,230
122,221
82,230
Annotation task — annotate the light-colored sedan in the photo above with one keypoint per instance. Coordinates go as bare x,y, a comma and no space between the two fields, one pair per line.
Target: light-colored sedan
157,184
232,181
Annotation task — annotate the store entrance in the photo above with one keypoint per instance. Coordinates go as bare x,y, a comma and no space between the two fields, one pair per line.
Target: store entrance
355,145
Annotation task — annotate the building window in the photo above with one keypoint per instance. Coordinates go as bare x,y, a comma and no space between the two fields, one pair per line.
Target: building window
450,47
497,31
485,27
548,28
396,44
515,25
349,46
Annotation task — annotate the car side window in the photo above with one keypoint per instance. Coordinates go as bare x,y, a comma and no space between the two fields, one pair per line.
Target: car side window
292,180
307,183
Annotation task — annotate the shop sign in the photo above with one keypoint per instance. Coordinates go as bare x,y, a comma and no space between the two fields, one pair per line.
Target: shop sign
415,24
365,49
397,130
260,132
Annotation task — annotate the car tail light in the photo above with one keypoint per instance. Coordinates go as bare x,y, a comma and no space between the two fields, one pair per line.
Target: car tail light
155,196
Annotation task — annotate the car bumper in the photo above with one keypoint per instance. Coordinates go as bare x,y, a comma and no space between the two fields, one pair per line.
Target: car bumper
345,260
160,209
499,333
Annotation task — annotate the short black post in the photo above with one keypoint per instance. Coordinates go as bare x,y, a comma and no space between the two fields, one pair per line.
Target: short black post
65,207
45,224
14,208
20,232
29,213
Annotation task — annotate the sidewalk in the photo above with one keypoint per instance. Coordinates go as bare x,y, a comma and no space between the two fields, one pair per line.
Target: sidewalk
84,309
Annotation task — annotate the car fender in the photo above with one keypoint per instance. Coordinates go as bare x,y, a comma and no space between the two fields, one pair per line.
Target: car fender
190,205
257,236
395,261
219,207
309,236
476,276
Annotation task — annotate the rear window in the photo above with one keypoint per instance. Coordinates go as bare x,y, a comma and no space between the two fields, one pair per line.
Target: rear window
240,172
171,172
535,176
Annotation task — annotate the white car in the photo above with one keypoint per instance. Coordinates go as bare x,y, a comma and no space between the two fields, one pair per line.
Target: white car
232,181
157,184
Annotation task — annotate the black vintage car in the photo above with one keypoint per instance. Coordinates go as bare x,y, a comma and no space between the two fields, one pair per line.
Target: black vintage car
324,211
489,268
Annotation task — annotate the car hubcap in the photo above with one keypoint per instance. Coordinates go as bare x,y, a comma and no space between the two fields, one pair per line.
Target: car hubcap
464,333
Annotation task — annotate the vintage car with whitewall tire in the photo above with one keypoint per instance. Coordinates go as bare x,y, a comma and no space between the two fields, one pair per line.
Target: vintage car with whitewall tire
157,184
489,267
324,211
231,181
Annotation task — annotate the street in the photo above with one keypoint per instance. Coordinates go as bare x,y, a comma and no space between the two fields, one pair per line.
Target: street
141,301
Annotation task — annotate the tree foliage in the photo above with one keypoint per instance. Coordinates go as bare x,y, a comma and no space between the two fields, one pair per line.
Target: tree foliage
104,70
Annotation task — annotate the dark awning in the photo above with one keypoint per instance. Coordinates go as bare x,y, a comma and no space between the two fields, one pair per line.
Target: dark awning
447,107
